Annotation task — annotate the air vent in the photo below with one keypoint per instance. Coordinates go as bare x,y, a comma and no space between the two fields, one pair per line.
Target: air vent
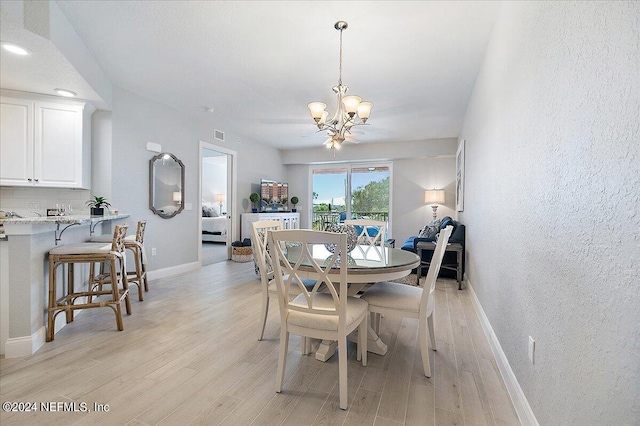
218,134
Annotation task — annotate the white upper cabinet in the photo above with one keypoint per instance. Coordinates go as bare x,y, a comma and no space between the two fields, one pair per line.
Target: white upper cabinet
16,141
42,143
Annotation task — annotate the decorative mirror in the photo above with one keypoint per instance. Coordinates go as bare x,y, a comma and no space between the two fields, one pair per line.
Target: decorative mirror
166,185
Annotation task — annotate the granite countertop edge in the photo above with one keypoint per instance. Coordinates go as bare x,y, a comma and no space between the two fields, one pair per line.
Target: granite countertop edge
46,220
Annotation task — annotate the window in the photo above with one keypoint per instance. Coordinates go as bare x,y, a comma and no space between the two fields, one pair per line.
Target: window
350,191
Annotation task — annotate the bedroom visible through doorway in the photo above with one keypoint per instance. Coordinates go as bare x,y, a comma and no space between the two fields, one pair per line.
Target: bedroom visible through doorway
216,198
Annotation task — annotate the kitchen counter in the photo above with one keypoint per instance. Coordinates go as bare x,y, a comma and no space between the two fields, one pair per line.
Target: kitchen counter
24,274
39,220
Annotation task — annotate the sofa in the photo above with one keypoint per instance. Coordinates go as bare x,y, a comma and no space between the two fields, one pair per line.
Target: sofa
450,258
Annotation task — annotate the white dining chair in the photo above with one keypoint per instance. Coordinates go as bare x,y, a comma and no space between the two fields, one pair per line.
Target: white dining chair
366,227
328,315
261,254
395,299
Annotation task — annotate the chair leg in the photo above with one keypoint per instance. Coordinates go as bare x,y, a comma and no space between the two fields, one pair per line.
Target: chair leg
115,295
263,315
342,371
432,333
52,300
138,272
363,331
125,286
282,357
424,349
70,290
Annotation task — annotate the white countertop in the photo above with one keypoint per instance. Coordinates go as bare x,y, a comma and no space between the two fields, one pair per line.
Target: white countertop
59,219
36,225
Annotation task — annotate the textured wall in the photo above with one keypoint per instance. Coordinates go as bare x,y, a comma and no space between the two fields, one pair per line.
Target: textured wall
553,191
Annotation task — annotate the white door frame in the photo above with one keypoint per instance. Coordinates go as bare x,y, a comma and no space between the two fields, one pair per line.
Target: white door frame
232,179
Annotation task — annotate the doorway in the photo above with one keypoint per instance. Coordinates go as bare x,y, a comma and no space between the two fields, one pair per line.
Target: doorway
217,201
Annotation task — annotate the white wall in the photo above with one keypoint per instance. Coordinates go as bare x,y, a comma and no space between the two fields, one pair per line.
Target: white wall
551,204
136,121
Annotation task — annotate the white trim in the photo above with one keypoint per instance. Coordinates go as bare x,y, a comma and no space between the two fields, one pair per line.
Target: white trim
520,402
23,346
232,194
173,270
16,347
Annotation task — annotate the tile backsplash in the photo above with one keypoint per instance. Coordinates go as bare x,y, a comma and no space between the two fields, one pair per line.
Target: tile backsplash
29,200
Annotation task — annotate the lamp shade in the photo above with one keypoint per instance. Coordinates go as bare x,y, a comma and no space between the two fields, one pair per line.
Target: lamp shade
351,104
434,196
177,196
364,110
316,109
220,198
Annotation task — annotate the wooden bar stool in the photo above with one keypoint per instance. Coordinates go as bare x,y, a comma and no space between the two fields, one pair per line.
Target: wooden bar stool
112,255
135,243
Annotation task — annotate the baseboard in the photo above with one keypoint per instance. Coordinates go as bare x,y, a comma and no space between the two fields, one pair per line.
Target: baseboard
173,270
520,402
17,347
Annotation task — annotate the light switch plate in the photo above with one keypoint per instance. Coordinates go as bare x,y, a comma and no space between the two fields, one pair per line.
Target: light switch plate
188,206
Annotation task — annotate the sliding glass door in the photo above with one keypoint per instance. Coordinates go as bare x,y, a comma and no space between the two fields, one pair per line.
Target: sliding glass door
329,186
350,191
370,196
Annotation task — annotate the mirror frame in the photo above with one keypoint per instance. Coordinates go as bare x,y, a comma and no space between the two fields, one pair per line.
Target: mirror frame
161,213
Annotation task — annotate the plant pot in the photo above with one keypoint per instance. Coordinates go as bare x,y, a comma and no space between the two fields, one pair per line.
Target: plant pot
97,211
254,210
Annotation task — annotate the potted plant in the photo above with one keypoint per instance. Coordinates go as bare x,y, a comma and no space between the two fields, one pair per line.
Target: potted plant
294,200
97,205
254,197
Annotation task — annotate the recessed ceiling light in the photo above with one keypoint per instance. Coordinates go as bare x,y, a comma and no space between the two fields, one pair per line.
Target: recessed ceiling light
209,109
66,93
15,48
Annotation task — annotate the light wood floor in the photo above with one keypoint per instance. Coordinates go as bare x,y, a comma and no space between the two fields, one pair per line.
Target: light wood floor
189,355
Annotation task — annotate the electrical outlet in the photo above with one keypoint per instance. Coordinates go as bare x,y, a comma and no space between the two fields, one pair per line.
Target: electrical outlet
532,349
153,251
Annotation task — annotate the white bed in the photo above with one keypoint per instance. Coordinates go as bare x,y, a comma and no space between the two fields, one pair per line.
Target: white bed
214,229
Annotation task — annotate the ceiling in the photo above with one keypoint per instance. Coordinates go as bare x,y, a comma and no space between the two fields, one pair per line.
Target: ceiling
259,63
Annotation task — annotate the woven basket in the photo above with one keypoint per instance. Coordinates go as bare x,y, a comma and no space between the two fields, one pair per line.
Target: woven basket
241,254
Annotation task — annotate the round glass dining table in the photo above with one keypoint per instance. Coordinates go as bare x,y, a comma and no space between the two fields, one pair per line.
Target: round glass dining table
366,264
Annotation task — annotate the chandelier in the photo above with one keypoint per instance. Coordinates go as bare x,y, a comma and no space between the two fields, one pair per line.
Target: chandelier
350,109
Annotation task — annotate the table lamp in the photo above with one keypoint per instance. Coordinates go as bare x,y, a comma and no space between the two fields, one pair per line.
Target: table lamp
434,197
220,200
177,197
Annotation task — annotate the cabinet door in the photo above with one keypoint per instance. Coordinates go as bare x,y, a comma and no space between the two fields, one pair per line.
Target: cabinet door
16,142
58,145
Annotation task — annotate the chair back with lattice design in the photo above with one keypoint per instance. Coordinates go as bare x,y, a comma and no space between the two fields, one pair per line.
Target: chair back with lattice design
259,244
142,224
119,233
370,232
429,285
293,261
